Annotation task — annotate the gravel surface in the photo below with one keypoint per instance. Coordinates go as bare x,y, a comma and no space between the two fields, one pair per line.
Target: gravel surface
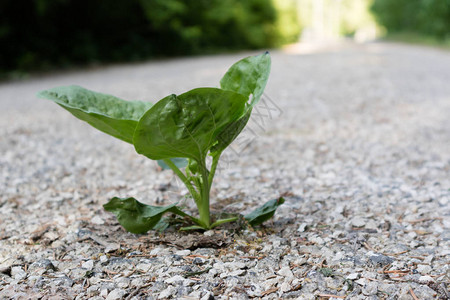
355,138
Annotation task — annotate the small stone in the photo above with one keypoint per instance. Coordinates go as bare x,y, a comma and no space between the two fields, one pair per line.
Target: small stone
370,289
424,269
300,261
44,264
122,282
387,287
425,292
156,251
174,279
183,252
115,294
371,224
198,261
136,282
286,272
63,281
88,265
208,296
426,279
379,259
189,282
428,259
254,291
353,276
235,265
285,287
104,293
103,259
167,293
18,273
143,267
237,273
97,220
358,222
361,281
209,233
443,201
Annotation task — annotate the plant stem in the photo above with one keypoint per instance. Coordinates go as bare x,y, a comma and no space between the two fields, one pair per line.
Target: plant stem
213,169
203,208
183,178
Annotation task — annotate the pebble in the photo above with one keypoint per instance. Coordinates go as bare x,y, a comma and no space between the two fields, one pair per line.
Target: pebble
286,272
97,220
88,265
370,288
424,269
353,276
115,294
183,252
426,279
174,279
358,222
168,292
18,273
379,259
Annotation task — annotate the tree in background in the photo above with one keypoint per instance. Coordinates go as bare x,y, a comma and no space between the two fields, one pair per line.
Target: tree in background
36,34
428,17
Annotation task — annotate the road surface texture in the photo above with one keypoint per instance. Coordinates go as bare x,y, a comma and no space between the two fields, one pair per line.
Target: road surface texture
355,137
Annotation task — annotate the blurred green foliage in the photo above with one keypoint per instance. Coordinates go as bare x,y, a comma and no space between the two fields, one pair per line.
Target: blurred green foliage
427,17
40,34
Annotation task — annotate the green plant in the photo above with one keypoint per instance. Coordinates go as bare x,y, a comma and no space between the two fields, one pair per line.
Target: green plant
180,132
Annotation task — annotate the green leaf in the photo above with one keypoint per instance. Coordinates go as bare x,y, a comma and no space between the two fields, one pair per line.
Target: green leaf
107,113
180,162
187,125
193,227
229,134
137,217
247,77
223,221
264,212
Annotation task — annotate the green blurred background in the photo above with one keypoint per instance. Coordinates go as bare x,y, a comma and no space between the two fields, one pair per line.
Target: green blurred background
49,34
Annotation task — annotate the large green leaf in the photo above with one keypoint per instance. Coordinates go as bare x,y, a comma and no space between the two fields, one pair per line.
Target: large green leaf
107,113
264,212
247,77
187,125
137,217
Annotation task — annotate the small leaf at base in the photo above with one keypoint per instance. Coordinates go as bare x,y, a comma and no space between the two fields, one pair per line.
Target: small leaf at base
264,212
223,221
137,217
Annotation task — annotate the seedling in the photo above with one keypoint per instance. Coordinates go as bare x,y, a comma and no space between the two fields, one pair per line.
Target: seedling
179,131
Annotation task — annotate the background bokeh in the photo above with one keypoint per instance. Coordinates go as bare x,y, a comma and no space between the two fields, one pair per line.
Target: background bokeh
48,34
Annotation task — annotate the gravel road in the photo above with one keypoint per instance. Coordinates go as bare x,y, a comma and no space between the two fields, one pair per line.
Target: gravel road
356,137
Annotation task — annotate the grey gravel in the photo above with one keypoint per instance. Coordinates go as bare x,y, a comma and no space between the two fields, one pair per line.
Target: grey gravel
356,139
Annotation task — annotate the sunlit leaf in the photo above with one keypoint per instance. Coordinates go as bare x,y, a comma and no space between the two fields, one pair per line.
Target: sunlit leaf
187,125
247,77
107,113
